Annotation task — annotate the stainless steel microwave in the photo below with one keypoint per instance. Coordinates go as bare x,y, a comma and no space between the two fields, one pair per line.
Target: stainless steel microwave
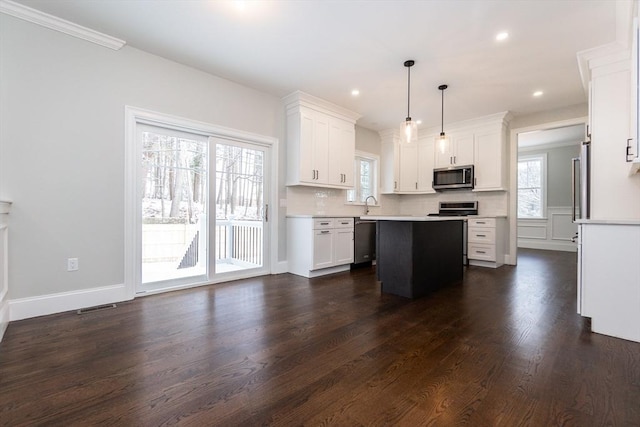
453,178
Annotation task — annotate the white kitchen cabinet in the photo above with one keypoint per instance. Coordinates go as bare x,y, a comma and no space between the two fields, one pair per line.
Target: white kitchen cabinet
609,277
389,161
486,241
407,168
458,153
341,152
490,161
319,246
320,142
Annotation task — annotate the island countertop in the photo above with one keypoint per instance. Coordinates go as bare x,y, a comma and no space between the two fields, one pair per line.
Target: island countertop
415,218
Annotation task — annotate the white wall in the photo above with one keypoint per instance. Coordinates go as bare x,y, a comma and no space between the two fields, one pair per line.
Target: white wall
62,146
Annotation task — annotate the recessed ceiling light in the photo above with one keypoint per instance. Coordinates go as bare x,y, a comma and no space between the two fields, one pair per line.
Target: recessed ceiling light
502,36
419,122
355,92
538,93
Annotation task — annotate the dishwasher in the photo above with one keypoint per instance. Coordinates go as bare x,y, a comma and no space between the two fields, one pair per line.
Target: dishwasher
364,241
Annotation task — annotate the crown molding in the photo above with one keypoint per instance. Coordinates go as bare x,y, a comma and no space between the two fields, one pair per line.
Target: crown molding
20,11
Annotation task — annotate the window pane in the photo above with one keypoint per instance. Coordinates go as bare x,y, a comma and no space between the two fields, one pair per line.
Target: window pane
530,197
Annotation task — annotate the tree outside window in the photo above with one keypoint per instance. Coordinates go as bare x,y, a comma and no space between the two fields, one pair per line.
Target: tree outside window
365,179
531,187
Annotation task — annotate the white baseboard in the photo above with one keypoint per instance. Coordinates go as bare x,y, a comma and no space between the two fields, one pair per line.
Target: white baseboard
548,245
24,308
4,317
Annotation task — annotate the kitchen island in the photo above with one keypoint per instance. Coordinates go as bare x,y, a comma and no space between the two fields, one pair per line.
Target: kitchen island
416,255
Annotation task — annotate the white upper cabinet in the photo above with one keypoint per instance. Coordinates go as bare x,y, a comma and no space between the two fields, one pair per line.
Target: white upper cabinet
460,151
490,161
320,142
482,142
406,168
389,161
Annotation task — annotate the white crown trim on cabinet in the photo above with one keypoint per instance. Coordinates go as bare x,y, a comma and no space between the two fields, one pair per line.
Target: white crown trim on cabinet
20,11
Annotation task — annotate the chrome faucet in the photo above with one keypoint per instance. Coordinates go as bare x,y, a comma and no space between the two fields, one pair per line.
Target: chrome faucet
366,203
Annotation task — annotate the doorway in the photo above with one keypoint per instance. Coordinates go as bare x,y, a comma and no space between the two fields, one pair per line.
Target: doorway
541,209
198,207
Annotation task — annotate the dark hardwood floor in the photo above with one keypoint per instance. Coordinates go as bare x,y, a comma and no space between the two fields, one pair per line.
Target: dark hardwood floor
503,348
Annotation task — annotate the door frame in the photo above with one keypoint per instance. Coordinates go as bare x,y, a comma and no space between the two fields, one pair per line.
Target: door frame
512,259
132,172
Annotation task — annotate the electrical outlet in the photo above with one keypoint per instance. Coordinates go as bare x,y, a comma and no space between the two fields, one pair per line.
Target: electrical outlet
72,264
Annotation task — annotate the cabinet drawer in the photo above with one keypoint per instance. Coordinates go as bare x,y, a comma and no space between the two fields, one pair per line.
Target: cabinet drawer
481,252
322,223
343,222
482,235
482,222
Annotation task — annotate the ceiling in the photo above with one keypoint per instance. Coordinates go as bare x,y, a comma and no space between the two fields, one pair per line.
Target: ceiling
327,48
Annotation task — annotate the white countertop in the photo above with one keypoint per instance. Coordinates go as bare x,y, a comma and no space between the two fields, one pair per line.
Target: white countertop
413,218
609,221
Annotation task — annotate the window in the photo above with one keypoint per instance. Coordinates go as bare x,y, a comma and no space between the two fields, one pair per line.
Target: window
365,178
532,186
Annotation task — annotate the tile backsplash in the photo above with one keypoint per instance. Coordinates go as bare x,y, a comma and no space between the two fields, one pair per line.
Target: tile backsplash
324,201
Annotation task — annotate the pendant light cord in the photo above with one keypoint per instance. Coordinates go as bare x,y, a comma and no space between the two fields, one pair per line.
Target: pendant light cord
442,88
442,114
408,90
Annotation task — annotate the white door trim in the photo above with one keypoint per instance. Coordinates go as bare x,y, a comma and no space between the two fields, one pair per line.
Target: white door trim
513,178
132,223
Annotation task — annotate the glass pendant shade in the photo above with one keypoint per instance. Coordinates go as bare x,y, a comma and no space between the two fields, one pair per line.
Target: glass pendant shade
409,131
443,143
409,128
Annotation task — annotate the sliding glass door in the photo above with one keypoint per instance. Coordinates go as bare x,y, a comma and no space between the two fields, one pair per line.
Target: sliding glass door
202,210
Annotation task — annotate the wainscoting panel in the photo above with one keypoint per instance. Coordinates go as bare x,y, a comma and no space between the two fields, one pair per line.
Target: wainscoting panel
552,233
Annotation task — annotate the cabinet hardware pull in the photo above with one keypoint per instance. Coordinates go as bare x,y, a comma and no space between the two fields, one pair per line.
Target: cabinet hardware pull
324,232
324,223
416,185
481,235
627,152
454,160
266,213
481,252
395,185
480,222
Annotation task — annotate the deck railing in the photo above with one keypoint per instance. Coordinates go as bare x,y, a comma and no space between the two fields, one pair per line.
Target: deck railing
236,242
239,241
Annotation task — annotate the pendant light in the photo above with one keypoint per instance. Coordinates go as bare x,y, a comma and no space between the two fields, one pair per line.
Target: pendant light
409,128
443,141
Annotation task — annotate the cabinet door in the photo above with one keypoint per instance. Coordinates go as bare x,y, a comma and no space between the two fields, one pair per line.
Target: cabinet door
322,249
425,165
444,159
343,246
408,167
389,166
489,159
463,153
341,152
306,165
320,159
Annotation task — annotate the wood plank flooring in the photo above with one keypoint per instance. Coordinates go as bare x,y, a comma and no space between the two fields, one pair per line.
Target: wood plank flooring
503,348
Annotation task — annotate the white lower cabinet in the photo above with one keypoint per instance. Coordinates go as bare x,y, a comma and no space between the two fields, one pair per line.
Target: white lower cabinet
609,278
318,246
485,241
